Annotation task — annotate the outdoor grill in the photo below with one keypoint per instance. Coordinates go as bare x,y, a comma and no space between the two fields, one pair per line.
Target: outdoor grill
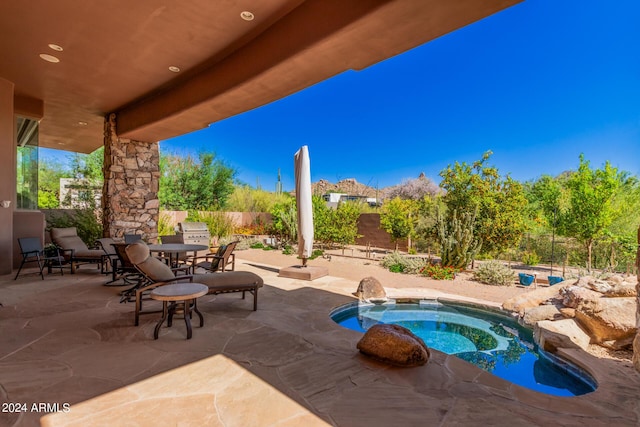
194,233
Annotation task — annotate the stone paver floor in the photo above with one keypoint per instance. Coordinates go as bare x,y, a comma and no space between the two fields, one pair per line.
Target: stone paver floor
68,340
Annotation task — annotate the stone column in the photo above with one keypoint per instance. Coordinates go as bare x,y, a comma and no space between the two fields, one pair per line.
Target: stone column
636,341
131,179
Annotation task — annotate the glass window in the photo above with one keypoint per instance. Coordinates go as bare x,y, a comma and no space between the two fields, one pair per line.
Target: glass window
27,163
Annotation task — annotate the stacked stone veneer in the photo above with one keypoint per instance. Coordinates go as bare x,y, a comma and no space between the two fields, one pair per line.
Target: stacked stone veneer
131,181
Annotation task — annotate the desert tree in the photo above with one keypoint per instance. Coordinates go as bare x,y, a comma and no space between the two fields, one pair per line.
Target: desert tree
591,208
396,218
187,183
500,202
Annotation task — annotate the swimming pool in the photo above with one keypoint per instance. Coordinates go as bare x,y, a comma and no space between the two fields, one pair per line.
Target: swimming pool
489,340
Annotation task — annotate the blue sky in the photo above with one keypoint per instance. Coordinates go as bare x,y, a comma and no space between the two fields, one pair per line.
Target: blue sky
537,84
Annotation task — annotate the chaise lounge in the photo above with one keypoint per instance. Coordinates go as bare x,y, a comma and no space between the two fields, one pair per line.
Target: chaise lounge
74,249
158,274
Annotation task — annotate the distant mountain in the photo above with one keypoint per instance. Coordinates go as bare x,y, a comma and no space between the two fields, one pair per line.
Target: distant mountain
409,189
348,186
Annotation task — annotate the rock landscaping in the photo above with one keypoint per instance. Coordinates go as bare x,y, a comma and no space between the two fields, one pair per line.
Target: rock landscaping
581,312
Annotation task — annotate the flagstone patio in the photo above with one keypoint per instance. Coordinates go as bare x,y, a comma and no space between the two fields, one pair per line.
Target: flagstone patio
69,346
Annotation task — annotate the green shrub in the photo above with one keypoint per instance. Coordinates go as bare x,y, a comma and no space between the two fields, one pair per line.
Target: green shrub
257,245
243,244
439,272
530,258
287,250
410,265
219,224
396,268
88,225
316,253
164,225
495,273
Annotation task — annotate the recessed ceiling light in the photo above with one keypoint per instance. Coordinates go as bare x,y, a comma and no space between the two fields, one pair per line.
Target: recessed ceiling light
49,58
174,69
82,123
56,47
246,15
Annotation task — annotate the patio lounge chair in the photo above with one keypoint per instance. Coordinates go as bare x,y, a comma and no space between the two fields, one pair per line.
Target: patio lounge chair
218,261
123,268
74,249
159,274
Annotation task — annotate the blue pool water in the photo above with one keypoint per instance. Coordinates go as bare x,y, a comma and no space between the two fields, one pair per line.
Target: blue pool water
489,340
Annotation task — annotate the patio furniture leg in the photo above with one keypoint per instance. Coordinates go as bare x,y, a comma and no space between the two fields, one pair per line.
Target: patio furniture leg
172,311
195,309
161,321
187,317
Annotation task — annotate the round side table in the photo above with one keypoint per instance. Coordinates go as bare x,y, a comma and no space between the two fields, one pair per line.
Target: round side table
181,296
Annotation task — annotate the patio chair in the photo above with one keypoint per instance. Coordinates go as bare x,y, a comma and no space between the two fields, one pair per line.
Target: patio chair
218,261
74,249
123,269
132,238
111,256
158,273
32,251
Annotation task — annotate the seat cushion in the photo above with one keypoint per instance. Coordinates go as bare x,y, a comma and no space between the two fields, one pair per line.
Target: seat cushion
229,281
151,267
137,252
67,238
156,270
88,253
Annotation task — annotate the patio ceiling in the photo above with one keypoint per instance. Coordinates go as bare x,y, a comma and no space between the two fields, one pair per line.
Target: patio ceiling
117,54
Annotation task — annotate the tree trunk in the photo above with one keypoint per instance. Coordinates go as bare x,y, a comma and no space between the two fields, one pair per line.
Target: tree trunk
589,247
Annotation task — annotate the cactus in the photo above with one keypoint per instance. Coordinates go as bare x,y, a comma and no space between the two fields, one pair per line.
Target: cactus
458,245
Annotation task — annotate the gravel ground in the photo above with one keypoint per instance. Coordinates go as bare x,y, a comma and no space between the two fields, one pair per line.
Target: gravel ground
357,267
353,265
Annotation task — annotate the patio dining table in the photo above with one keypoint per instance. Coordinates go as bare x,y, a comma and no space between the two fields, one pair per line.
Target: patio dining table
173,249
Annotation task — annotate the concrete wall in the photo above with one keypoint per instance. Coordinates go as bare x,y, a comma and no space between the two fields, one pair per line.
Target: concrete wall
26,224
7,174
239,219
368,227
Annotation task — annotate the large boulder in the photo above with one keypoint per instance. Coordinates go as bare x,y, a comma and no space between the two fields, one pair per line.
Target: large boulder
609,321
624,289
395,345
574,296
542,312
590,282
371,290
560,334
613,286
533,298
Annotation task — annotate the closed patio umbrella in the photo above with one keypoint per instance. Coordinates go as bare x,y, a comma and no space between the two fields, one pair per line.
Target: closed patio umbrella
303,202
